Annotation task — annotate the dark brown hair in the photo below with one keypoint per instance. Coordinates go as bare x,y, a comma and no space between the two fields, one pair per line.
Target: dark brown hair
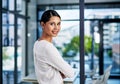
48,14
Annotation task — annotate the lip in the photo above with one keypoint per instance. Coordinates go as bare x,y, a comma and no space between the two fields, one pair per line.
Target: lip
54,32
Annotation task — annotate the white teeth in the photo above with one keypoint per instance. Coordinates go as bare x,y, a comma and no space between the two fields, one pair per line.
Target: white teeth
54,32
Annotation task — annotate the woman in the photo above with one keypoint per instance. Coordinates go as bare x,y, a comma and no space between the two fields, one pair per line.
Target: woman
50,67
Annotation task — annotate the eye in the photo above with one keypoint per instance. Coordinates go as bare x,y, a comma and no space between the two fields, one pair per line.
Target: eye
59,23
51,23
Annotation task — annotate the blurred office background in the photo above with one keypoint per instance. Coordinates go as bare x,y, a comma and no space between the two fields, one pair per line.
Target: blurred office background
20,28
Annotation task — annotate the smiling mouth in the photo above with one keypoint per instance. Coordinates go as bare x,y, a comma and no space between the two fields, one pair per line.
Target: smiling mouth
54,32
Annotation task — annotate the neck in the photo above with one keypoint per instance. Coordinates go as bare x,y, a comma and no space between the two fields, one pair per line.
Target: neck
46,38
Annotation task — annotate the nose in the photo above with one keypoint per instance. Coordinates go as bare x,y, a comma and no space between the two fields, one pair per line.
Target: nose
56,26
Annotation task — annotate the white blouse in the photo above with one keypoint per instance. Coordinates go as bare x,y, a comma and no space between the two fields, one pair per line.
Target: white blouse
49,63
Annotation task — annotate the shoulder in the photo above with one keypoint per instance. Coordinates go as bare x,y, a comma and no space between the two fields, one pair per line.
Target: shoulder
43,44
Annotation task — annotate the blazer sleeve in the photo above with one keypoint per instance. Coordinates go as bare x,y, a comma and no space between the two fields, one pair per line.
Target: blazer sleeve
54,59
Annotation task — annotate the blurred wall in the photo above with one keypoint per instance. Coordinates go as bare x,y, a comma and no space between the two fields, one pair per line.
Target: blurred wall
41,2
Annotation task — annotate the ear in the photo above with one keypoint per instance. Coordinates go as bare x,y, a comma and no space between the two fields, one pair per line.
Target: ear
42,24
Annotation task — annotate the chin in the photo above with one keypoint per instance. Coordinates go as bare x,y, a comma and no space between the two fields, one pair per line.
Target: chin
54,35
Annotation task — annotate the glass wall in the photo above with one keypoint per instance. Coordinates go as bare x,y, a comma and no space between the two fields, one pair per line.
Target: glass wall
13,37
111,40
8,46
106,32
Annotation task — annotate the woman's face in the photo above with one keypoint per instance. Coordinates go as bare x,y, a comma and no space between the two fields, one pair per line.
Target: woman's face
52,27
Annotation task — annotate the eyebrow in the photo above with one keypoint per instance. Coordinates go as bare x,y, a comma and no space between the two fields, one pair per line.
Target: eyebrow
54,22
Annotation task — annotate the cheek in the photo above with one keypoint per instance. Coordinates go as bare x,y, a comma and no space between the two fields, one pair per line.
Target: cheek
46,28
60,28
